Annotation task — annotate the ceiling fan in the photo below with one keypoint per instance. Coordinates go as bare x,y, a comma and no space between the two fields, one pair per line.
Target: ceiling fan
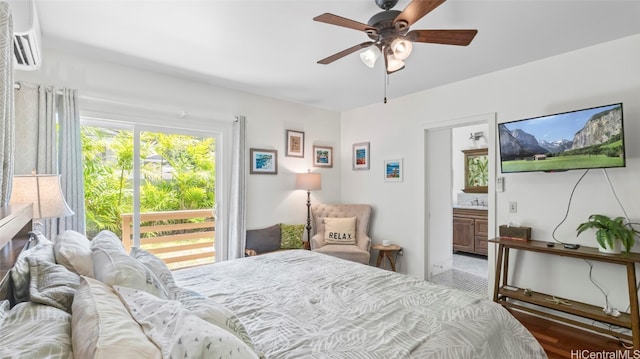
390,35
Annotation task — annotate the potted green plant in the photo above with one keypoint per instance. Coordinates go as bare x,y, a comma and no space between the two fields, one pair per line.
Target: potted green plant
610,233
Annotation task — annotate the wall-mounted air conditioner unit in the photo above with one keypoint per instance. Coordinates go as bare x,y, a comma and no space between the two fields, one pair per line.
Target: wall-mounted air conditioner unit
26,35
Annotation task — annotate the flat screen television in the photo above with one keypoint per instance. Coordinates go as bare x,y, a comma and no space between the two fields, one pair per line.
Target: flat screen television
587,138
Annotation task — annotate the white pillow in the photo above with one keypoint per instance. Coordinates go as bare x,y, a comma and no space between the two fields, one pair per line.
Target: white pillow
178,332
340,230
73,251
111,265
101,326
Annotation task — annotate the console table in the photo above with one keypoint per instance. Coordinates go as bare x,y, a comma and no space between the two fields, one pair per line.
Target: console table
503,292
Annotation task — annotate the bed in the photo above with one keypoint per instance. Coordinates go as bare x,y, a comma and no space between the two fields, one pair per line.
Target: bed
90,299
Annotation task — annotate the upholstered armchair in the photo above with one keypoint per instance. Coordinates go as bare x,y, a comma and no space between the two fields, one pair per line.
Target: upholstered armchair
322,242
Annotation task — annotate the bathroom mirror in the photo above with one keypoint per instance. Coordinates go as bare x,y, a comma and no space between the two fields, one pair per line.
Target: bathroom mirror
476,171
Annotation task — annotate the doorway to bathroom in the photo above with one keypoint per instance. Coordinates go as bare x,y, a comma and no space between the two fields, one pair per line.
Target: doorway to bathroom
459,207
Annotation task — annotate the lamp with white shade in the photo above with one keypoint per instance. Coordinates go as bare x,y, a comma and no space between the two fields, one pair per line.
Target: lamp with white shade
308,182
44,191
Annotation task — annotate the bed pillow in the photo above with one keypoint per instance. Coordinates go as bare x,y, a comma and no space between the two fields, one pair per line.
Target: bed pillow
34,330
20,269
157,266
111,265
52,284
264,240
179,333
214,313
340,230
107,240
291,236
73,250
102,328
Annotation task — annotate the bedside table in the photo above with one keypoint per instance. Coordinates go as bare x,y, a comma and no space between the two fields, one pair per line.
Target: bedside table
388,252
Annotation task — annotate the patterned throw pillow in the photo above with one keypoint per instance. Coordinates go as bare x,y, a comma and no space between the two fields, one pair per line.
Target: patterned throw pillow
20,269
178,332
52,284
111,265
340,230
291,236
157,266
214,313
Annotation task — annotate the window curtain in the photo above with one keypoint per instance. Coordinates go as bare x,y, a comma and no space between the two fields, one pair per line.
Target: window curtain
7,122
236,217
70,160
48,126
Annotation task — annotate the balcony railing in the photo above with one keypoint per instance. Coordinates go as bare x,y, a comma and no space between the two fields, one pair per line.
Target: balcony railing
180,238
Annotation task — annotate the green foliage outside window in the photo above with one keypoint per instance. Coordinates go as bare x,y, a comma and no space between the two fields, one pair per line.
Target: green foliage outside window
177,172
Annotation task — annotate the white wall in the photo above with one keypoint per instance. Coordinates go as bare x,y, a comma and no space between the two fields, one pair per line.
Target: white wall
593,76
125,93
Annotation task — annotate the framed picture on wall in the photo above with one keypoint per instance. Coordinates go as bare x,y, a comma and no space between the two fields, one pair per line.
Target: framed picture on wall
393,170
263,161
360,156
295,144
322,156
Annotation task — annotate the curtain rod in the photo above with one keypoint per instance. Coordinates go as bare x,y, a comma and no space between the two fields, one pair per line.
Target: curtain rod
17,86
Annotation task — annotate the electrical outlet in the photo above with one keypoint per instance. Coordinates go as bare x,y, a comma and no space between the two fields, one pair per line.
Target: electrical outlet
513,207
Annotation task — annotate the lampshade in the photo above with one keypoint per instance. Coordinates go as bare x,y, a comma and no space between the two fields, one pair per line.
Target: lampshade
44,192
370,55
401,48
308,181
393,64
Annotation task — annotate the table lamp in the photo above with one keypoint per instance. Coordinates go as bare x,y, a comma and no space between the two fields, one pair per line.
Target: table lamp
44,192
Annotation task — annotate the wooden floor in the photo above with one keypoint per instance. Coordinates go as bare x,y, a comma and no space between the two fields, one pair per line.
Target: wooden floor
559,340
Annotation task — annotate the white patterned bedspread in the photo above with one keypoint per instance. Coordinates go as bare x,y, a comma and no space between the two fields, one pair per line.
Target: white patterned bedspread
301,304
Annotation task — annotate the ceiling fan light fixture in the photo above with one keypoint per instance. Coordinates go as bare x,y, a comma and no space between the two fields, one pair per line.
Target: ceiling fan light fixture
370,55
394,64
401,48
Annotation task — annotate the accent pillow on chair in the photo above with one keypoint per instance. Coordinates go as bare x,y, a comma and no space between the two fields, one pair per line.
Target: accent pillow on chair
340,230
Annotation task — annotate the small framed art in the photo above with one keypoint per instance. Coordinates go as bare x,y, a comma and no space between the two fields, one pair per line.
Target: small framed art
393,170
295,144
322,156
263,161
361,156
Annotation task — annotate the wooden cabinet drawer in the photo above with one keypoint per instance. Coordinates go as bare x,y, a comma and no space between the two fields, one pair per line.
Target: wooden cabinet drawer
482,227
470,230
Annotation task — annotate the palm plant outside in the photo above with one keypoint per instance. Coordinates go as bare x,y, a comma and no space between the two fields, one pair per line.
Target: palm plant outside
177,172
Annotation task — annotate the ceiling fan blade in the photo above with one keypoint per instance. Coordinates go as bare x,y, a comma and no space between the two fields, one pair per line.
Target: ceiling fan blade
342,21
344,53
445,37
416,10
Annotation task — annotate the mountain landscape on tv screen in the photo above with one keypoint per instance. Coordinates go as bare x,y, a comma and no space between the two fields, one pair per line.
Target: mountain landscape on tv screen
599,142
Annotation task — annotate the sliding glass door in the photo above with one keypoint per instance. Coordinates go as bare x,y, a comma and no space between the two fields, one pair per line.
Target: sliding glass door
153,187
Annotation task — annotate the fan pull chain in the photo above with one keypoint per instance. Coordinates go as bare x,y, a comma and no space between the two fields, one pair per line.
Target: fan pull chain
386,82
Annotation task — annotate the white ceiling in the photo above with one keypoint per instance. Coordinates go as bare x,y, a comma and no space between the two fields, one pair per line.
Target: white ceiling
271,47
